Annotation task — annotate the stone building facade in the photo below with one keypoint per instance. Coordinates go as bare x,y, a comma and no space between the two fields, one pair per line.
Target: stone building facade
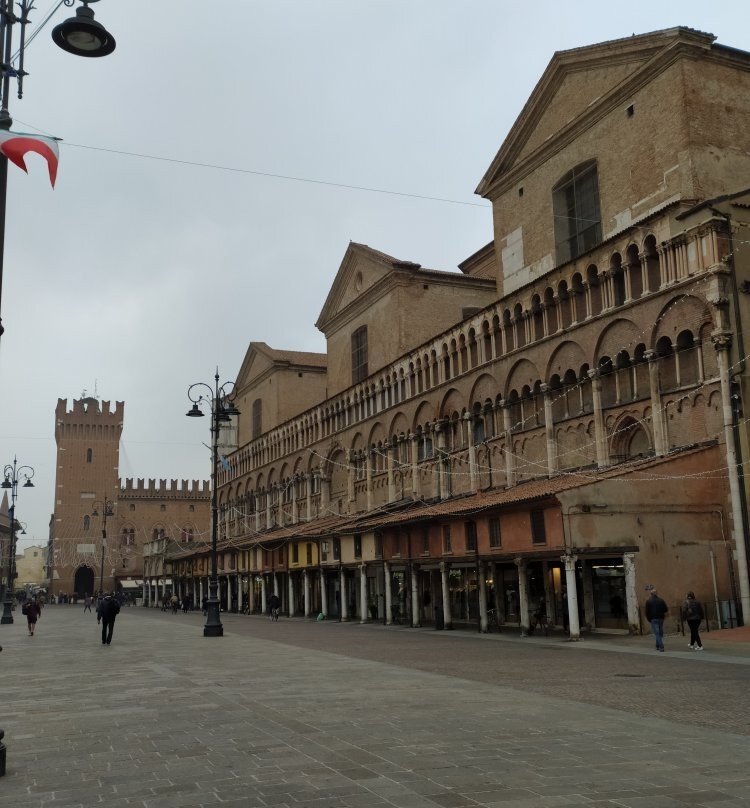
559,425
91,501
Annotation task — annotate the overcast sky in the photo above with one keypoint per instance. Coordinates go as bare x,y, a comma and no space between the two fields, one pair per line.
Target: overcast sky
139,276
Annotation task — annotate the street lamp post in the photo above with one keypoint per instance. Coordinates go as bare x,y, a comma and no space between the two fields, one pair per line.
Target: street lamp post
13,473
106,508
222,410
80,35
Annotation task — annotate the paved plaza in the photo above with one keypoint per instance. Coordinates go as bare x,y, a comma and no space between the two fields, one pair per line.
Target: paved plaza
328,714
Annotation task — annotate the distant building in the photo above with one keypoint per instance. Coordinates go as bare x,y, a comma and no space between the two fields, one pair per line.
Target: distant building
78,554
31,566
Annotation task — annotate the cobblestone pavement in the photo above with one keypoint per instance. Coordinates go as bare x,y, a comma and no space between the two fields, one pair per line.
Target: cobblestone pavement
294,714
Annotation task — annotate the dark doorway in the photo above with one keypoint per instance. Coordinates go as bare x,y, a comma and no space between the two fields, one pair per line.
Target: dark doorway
84,581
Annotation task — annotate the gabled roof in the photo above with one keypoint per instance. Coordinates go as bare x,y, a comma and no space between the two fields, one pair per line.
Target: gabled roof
623,66
278,358
345,277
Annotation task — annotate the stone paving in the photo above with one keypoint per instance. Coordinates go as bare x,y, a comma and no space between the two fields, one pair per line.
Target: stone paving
295,714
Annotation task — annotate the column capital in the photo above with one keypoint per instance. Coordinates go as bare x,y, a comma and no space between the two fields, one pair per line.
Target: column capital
722,340
650,355
545,389
569,560
594,374
520,562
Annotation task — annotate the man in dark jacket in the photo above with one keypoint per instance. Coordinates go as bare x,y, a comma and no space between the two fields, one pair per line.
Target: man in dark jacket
108,609
274,605
656,610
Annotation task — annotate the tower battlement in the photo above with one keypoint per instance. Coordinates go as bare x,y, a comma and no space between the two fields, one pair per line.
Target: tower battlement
89,419
175,489
90,408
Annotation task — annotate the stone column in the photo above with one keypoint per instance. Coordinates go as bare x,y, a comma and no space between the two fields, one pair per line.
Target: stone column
446,596
589,616
351,496
323,593
509,464
415,610
443,462
263,595
572,594
343,596
549,429
643,258
388,594
239,594
482,597
306,584
251,594
389,450
473,477
657,416
523,597
600,435
416,491
363,613
325,493
722,341
368,478
268,510
308,497
631,598
295,509
436,467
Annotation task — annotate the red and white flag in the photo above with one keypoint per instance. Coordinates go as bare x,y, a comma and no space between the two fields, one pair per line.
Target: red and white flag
14,145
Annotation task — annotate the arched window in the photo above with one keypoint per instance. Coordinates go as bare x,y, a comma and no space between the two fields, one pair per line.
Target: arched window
577,218
89,455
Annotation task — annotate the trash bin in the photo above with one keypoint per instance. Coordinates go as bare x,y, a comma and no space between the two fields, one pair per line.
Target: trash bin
439,618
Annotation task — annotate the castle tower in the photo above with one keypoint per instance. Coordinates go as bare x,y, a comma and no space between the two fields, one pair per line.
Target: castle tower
88,441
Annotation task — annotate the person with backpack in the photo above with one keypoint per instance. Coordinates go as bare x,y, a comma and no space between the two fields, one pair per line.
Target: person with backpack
693,615
33,611
108,610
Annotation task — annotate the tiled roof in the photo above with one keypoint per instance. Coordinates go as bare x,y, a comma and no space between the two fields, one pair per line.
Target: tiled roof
296,357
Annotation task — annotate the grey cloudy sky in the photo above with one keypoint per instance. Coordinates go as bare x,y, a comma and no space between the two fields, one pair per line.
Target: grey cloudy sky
140,276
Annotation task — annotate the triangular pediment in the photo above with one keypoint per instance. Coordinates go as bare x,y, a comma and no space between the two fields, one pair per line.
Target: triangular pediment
256,362
581,83
362,270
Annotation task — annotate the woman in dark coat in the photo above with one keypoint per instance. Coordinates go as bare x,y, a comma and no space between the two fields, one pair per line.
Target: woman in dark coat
33,613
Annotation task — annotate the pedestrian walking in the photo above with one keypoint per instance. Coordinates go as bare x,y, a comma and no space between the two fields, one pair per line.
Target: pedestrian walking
33,612
175,603
693,612
87,602
108,610
274,604
656,610
204,606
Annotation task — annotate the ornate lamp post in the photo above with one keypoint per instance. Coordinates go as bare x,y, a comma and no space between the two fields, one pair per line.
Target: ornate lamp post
80,35
107,509
13,474
222,410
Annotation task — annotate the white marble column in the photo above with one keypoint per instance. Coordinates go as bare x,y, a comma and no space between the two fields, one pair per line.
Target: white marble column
510,479
295,509
363,612
323,594
600,435
415,606
388,594
263,595
549,429
239,594
290,591
343,596
482,597
446,596
275,584
657,416
306,584
389,459
631,597
523,597
473,476
308,497
572,594
368,478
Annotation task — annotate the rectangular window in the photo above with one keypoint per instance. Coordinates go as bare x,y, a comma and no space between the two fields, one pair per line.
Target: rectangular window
359,354
538,533
378,545
447,546
257,417
577,218
471,536
357,546
337,549
309,553
495,540
295,553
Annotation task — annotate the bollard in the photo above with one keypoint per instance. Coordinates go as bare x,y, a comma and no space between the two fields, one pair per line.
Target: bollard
2,754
